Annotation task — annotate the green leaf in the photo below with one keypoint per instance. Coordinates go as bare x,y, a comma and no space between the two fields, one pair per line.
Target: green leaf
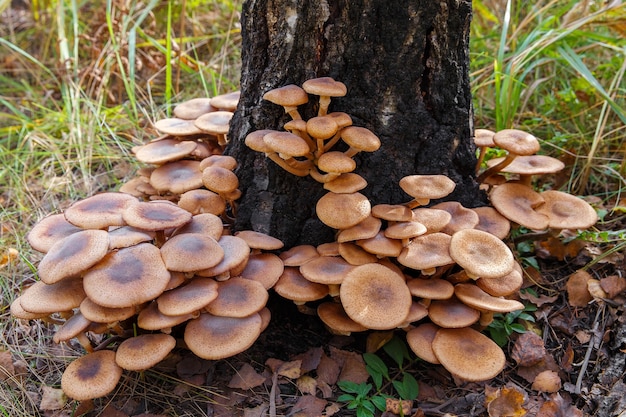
367,404
375,365
362,412
516,327
380,402
397,350
348,386
407,388
344,398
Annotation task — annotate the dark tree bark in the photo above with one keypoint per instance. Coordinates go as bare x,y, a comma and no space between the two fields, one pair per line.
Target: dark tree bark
405,64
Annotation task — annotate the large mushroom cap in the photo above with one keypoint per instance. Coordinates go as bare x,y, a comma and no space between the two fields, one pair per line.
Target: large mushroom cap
293,286
530,165
481,254
474,297
193,108
91,376
375,296
519,203
335,318
287,96
427,252
216,122
156,215
360,139
325,86
186,299
47,231
341,211
163,151
238,297
516,141
326,270
188,252
420,340
286,143
226,101
99,211
424,188
566,211
452,313
468,354
177,177
144,351
177,127
41,298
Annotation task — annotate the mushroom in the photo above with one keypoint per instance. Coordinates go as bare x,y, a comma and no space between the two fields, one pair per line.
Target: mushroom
216,123
424,188
64,295
74,327
177,177
177,127
298,255
206,223
201,201
255,141
150,318
334,164
566,211
529,165
368,228
474,297
489,220
392,212
321,128
100,314
188,298
226,101
238,297
433,219
193,108
328,270
265,268
92,376
259,241
325,87
142,352
295,287
420,340
515,142
236,252
341,211
519,203
461,217
359,139
481,254
47,231
381,245
355,255
162,151
289,97
99,211
336,320
483,139
427,252
452,313
190,252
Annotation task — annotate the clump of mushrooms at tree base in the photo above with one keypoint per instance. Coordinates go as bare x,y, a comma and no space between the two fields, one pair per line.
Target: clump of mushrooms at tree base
159,255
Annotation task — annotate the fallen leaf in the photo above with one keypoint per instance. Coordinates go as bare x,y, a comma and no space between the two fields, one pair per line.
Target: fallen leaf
332,409
376,340
547,381
399,407
328,370
558,407
307,384
613,285
568,358
246,378
8,256
528,349
529,373
52,398
508,402
583,336
310,359
595,289
354,369
325,389
538,300
291,369
308,406
7,370
556,248
258,411
577,292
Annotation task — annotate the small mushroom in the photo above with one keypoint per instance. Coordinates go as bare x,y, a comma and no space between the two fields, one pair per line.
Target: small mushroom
424,188
289,97
515,142
481,254
92,376
142,352
325,87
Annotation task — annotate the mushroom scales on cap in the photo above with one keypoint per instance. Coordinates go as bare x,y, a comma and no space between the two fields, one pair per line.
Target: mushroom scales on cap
91,376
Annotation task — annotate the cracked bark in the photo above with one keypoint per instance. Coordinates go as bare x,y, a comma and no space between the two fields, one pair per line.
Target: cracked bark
405,64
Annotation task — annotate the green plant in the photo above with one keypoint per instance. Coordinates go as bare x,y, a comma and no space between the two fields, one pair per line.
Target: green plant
360,397
504,325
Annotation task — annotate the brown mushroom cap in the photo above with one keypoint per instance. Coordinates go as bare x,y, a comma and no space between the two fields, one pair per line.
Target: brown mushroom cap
516,141
335,318
91,376
73,254
258,240
226,101
287,96
462,218
519,203
481,254
336,162
216,122
452,313
426,252
219,180
236,251
360,138
126,236
434,220
224,161
424,188
142,352
392,212
405,230
41,298
177,177
484,138
193,108
99,211
322,127
298,255
238,297
206,223
420,340
156,215
150,318
381,245
177,127
100,314
293,286
265,268
566,211
186,299
530,165
201,201
286,143
127,277
213,337
430,289
47,231
365,229
163,151
356,255
254,140
375,297
474,297
489,220
326,270
325,86
188,252
341,211
503,286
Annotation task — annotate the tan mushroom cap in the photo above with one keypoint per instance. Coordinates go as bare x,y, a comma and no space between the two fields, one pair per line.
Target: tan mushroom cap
420,340
322,127
427,252
201,201
177,127
328,249
224,161
392,212
519,203
336,162
484,138
226,101
481,254
474,297
156,215
375,297
381,245
18,311
405,230
150,318
516,141
189,252
258,240
424,188
366,229
503,286
434,220
462,218
216,122
236,251
186,299
335,318
346,183
193,108
298,255
287,96
430,289
238,297
355,255
213,337
142,352
91,376
254,140
163,151
417,312
72,255
452,314
530,165
286,143
41,298
99,211
205,223
326,270
219,180
295,287
126,236
265,268
177,177
566,211
325,86
101,314
49,230
489,220
360,139
341,211
342,119
127,277
468,354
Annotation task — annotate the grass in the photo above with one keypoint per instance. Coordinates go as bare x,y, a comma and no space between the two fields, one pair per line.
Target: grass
73,103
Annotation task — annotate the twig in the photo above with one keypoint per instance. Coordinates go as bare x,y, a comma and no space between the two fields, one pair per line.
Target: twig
592,343
273,394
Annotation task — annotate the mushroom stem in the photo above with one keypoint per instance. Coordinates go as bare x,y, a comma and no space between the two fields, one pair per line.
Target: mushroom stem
159,238
417,202
333,141
322,178
324,103
84,342
497,168
486,317
284,165
481,158
293,112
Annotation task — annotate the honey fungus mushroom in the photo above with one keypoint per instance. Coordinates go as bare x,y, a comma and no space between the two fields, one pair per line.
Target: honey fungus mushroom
91,376
424,188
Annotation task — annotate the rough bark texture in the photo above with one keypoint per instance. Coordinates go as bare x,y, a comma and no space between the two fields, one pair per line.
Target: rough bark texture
405,64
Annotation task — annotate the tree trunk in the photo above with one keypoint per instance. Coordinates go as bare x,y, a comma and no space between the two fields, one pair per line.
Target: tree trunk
405,64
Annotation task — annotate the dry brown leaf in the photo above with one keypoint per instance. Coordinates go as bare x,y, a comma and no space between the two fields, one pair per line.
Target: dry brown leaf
8,256
354,369
613,285
577,292
376,340
7,370
529,373
246,378
328,370
332,409
325,389
558,407
538,300
291,369
258,411
307,384
310,359
508,402
52,398
568,358
556,248
308,406
595,289
547,381
273,364
395,406
528,349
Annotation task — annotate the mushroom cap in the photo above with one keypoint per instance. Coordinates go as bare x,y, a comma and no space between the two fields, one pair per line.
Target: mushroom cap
226,101
381,245
295,287
289,95
322,127
375,296
420,340
474,297
365,229
392,212
224,161
238,297
489,220
462,218
336,162
72,327
265,268
346,183
481,254
150,318
334,316
360,138
427,187
126,236
236,251
219,180
341,211
286,143
142,352
186,299
206,223
189,252
47,231
430,289
193,108
127,277
325,86
91,376
355,255
100,314
484,138
200,201
298,255
519,203
99,211
216,122
326,270
342,119
18,311
73,254
566,211
530,165
434,220
163,151
177,127
254,140
452,313
177,177
503,286
156,215
427,251
258,240
41,298
516,141
405,230
213,337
